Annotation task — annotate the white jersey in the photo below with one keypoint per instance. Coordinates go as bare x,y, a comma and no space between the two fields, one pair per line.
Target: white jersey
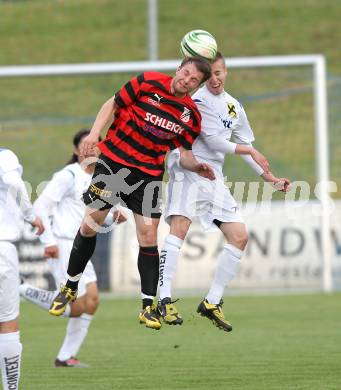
223,120
223,117
63,195
14,200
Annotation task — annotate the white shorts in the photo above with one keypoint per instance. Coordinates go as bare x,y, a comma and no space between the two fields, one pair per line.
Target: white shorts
9,282
191,195
59,267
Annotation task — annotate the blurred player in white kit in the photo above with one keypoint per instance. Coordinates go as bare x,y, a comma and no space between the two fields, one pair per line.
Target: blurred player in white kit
61,200
15,205
189,196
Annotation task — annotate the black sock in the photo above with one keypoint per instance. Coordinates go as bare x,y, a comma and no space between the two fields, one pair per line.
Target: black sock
82,250
146,302
148,265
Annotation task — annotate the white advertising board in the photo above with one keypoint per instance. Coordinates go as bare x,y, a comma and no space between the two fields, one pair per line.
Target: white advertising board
283,252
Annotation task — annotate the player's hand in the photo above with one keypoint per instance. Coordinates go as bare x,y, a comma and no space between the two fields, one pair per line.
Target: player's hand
51,252
88,146
38,224
205,171
282,184
260,160
119,216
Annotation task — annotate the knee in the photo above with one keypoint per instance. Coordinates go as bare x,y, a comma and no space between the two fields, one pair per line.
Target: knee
240,240
181,232
180,226
92,303
87,231
148,237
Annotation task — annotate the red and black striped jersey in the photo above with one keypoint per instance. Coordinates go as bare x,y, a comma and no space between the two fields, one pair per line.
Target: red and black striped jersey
150,121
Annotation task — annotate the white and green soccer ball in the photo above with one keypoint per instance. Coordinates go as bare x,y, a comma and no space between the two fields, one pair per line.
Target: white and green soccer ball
199,43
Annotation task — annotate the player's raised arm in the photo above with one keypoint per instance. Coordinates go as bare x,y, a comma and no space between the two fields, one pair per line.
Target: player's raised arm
281,184
261,166
256,156
104,117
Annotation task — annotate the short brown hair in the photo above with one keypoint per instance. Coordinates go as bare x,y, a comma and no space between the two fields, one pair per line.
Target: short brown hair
201,64
218,57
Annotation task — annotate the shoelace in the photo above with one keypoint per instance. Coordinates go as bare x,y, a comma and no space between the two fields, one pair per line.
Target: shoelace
218,311
171,308
153,311
152,308
68,292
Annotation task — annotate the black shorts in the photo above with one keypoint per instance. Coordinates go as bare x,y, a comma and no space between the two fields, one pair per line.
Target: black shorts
113,183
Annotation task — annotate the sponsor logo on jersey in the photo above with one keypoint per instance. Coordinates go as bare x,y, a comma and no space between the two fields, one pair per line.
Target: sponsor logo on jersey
156,101
185,116
164,123
227,123
157,132
231,109
100,192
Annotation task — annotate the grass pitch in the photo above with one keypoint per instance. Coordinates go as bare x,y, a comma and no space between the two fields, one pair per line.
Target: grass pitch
278,342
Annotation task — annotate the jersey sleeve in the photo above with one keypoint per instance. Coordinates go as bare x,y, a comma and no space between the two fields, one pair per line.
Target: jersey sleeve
130,92
249,160
59,185
9,162
243,133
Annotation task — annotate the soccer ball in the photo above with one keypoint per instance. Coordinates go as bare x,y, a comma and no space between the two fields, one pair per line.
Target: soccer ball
199,43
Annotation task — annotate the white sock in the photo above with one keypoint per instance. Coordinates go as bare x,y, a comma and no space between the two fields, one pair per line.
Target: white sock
144,296
76,331
40,297
75,278
227,267
168,260
10,358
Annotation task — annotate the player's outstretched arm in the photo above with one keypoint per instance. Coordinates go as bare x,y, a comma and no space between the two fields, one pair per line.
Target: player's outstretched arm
104,117
260,162
281,184
188,161
256,156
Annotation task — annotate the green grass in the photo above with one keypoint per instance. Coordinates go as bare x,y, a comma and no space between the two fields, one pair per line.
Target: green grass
278,343
50,31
